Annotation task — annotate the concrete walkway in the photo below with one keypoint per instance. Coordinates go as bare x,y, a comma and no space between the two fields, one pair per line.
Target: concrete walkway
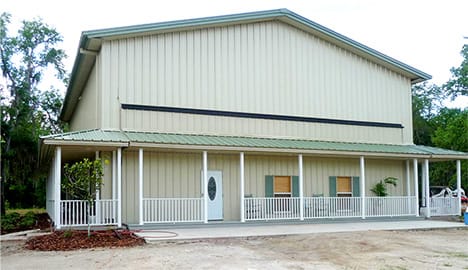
249,230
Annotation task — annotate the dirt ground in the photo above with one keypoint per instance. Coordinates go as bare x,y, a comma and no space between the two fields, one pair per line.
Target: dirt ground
429,249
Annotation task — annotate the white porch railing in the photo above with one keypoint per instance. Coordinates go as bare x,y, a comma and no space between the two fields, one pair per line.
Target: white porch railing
446,206
327,207
271,208
75,212
390,206
332,207
160,210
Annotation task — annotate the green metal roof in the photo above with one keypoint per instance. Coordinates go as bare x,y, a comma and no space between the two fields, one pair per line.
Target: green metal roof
94,135
92,40
152,139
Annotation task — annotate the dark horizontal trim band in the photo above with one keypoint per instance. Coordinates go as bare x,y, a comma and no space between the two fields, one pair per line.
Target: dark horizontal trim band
259,116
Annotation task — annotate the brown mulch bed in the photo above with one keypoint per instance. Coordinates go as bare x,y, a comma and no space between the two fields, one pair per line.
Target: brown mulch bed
72,240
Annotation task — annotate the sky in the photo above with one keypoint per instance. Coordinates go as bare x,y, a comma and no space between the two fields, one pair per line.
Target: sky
426,34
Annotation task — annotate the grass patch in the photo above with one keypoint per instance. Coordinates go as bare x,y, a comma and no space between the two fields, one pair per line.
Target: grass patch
26,210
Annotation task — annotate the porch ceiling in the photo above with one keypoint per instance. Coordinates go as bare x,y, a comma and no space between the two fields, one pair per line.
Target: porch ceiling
114,138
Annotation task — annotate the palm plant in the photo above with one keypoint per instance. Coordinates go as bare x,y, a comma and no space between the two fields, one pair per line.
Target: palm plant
380,188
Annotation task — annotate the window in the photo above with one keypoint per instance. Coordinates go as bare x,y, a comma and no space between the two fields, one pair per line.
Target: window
282,186
344,187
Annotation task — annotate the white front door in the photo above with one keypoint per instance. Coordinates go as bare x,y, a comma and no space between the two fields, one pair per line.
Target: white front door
215,195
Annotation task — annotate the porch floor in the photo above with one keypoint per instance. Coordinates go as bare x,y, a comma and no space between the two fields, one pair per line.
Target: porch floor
155,233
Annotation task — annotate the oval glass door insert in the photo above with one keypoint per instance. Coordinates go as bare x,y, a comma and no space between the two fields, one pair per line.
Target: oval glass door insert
212,188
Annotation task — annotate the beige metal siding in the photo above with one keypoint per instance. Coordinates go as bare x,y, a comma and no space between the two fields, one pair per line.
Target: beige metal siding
219,125
130,187
106,189
256,167
85,115
267,67
318,170
177,175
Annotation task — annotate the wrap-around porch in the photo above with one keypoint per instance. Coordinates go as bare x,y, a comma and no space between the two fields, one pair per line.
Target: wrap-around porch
252,206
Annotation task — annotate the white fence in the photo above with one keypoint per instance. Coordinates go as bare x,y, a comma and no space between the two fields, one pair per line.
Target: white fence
79,212
390,206
160,210
271,208
446,206
331,207
327,207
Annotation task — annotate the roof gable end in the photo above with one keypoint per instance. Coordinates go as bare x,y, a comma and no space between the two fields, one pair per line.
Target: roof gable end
90,44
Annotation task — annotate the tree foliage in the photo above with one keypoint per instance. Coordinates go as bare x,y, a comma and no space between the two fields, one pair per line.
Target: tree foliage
450,132
458,84
435,125
427,101
27,111
82,180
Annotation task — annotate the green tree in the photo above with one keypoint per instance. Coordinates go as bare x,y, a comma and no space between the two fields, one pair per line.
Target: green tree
458,84
451,132
27,111
426,101
81,181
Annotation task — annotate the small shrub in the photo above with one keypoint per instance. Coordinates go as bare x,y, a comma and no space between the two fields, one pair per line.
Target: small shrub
10,221
68,234
28,220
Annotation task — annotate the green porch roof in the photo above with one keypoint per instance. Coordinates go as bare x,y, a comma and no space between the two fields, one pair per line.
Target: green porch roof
162,140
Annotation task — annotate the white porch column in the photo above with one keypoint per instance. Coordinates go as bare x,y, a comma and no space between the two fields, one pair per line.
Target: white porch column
119,187
408,186
301,188
140,185
114,175
242,179
114,185
98,197
423,185
205,186
363,187
459,186
416,190
426,185
57,184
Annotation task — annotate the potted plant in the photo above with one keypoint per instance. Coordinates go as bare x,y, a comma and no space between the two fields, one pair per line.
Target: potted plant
380,190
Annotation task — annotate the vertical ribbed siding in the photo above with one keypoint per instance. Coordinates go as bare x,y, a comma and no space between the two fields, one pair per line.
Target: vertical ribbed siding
86,113
267,67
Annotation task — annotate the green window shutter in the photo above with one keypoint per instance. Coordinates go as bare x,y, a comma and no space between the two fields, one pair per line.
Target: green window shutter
332,185
295,186
356,189
268,185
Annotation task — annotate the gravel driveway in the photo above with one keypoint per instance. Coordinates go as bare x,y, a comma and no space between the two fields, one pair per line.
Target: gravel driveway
421,249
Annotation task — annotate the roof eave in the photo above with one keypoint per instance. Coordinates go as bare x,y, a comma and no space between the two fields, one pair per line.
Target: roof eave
84,143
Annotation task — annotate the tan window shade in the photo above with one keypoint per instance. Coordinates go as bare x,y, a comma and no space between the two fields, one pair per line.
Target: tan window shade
282,184
343,184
